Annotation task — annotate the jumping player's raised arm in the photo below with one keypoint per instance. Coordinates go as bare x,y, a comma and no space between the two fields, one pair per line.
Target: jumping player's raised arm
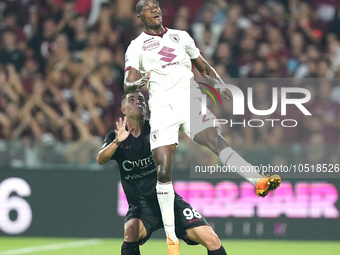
202,65
210,74
112,141
133,80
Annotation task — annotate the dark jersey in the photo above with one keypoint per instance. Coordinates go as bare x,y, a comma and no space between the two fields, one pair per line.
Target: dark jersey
137,168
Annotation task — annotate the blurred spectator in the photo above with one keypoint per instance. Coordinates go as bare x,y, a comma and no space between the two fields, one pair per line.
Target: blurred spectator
11,24
94,54
60,50
235,17
80,6
306,22
65,18
193,6
22,9
30,72
334,53
107,85
246,56
308,67
80,38
335,24
328,112
42,43
182,19
223,57
10,53
206,33
324,70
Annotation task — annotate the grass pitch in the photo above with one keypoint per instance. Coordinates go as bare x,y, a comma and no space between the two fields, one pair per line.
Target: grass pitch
68,246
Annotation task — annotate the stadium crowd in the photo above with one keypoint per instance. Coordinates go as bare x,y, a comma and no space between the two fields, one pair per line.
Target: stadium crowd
62,67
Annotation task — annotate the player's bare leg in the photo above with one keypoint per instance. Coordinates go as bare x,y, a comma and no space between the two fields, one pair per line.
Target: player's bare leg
165,194
134,230
213,139
206,236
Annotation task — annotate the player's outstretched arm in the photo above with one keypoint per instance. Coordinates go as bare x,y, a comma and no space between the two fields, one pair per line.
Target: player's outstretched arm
121,134
133,82
210,74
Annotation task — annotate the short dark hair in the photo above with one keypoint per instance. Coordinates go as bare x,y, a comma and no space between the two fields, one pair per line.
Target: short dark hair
125,96
123,99
140,5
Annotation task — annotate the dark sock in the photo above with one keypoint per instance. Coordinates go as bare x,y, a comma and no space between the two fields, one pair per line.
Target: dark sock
220,251
130,248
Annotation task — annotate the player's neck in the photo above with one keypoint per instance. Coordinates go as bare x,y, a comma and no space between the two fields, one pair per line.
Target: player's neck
137,124
155,30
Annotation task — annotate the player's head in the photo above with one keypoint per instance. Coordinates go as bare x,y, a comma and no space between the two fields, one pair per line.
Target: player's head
133,105
149,12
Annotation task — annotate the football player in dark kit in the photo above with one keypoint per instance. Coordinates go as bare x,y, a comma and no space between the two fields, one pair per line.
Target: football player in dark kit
129,145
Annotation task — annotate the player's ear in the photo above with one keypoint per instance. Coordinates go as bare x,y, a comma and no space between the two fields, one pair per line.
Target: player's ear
122,110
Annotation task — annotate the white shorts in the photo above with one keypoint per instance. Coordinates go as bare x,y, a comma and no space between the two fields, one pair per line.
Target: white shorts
168,120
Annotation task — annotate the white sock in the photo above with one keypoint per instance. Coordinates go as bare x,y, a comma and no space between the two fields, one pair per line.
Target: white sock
166,198
231,158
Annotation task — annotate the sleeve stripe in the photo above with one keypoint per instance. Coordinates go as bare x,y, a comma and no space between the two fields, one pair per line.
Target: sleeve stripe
127,69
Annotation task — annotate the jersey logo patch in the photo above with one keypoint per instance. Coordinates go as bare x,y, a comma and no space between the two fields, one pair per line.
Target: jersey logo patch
174,37
151,45
166,52
154,135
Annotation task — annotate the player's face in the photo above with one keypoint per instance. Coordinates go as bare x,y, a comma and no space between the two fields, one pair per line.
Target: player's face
151,14
135,105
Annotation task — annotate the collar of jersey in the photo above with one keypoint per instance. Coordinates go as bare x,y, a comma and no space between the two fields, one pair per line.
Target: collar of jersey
161,35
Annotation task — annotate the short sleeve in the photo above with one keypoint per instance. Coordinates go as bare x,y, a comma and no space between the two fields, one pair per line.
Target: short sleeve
108,139
190,47
131,58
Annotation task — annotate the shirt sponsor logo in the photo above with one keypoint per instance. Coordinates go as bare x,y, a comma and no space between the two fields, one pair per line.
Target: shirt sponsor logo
151,45
138,176
167,55
170,64
128,165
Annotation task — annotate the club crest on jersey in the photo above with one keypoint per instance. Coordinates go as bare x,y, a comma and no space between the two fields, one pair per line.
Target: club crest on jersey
154,135
174,37
151,45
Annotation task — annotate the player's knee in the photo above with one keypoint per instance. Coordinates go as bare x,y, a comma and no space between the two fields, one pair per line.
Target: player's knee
163,173
163,176
131,233
212,243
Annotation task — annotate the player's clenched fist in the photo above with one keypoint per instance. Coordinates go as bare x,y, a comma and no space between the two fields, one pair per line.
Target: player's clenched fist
226,93
136,85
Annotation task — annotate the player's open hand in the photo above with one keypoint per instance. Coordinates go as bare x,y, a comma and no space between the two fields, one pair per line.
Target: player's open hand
226,93
121,132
